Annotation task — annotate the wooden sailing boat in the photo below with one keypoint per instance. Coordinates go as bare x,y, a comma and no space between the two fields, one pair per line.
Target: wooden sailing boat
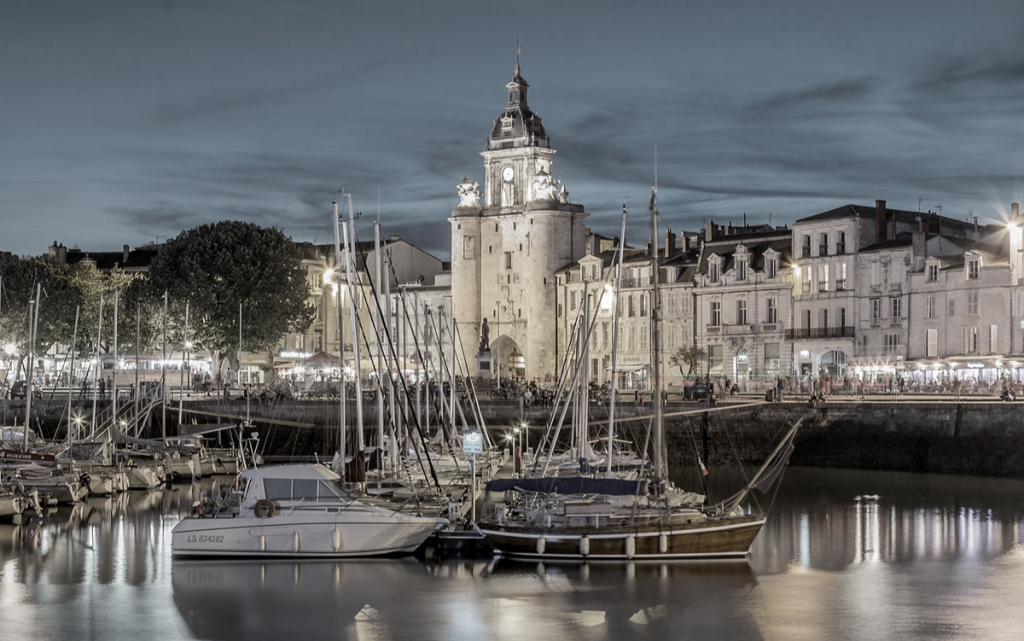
616,519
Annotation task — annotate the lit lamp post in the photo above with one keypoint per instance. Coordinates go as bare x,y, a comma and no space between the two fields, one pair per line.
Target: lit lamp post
188,365
524,440
519,452
515,439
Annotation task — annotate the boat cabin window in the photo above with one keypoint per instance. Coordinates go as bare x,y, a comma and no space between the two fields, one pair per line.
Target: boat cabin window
307,489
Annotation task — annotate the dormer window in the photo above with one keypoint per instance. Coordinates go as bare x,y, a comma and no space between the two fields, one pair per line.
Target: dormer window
933,273
973,268
714,270
741,268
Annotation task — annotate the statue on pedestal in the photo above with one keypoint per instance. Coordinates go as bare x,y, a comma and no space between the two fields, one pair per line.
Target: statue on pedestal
485,337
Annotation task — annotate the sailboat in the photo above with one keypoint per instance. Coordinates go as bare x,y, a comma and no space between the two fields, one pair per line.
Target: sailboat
647,518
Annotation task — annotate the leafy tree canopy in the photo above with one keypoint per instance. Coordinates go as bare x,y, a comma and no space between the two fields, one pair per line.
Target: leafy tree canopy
63,290
688,356
219,268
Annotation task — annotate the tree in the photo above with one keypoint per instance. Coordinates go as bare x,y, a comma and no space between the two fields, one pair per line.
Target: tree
688,355
63,290
222,268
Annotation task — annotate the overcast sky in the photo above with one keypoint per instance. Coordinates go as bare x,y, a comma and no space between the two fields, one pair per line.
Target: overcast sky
126,122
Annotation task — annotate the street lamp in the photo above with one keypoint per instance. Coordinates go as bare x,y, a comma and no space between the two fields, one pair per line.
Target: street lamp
517,454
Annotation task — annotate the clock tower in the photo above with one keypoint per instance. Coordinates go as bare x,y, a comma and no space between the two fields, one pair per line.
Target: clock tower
506,250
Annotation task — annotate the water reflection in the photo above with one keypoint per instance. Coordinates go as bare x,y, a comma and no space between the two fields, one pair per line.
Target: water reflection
844,555
400,598
835,520
100,540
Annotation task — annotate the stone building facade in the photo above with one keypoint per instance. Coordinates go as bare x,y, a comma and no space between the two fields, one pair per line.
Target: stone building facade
508,239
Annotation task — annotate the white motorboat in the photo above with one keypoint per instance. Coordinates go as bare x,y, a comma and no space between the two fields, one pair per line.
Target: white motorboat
298,510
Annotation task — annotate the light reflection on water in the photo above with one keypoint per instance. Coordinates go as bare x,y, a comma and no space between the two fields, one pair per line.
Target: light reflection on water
845,555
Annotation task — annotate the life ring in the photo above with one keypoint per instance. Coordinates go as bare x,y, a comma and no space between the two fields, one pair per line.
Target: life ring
264,508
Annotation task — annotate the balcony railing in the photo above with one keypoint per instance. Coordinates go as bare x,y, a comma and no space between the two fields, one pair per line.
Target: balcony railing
731,330
819,332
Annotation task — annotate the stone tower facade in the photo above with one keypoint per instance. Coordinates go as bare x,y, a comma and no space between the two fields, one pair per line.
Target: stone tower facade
506,250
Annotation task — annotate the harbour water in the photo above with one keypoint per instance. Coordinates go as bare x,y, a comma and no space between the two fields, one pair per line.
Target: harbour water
845,555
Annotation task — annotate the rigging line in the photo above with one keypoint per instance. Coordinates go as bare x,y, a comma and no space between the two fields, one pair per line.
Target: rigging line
445,420
478,414
468,382
577,328
445,444
384,341
442,367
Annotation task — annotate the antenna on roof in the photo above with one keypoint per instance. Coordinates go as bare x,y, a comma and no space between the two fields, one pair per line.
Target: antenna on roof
655,167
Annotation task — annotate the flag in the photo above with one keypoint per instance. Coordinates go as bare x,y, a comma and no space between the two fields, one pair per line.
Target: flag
703,470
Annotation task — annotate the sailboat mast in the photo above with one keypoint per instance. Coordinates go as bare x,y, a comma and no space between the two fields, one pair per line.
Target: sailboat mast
113,372
615,340
378,330
30,370
71,369
660,450
341,338
351,276
188,367
163,375
98,372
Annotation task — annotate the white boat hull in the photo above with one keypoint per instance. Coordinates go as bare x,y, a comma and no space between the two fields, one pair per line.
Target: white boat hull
305,531
12,505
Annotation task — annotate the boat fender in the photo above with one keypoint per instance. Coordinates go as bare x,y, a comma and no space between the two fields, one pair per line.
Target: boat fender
264,508
541,545
584,546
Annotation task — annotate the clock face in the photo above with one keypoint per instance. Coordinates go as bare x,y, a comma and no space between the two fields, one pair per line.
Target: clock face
508,173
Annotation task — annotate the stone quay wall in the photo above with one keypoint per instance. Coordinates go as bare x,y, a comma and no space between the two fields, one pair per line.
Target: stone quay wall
976,437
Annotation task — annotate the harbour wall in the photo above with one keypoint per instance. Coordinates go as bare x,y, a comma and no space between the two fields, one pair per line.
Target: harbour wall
975,437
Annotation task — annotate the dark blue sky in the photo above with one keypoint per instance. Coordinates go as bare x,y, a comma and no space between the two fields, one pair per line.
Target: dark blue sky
127,121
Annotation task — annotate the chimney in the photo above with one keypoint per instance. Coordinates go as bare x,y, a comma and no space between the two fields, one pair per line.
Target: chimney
881,226
1014,210
670,243
124,254
709,231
